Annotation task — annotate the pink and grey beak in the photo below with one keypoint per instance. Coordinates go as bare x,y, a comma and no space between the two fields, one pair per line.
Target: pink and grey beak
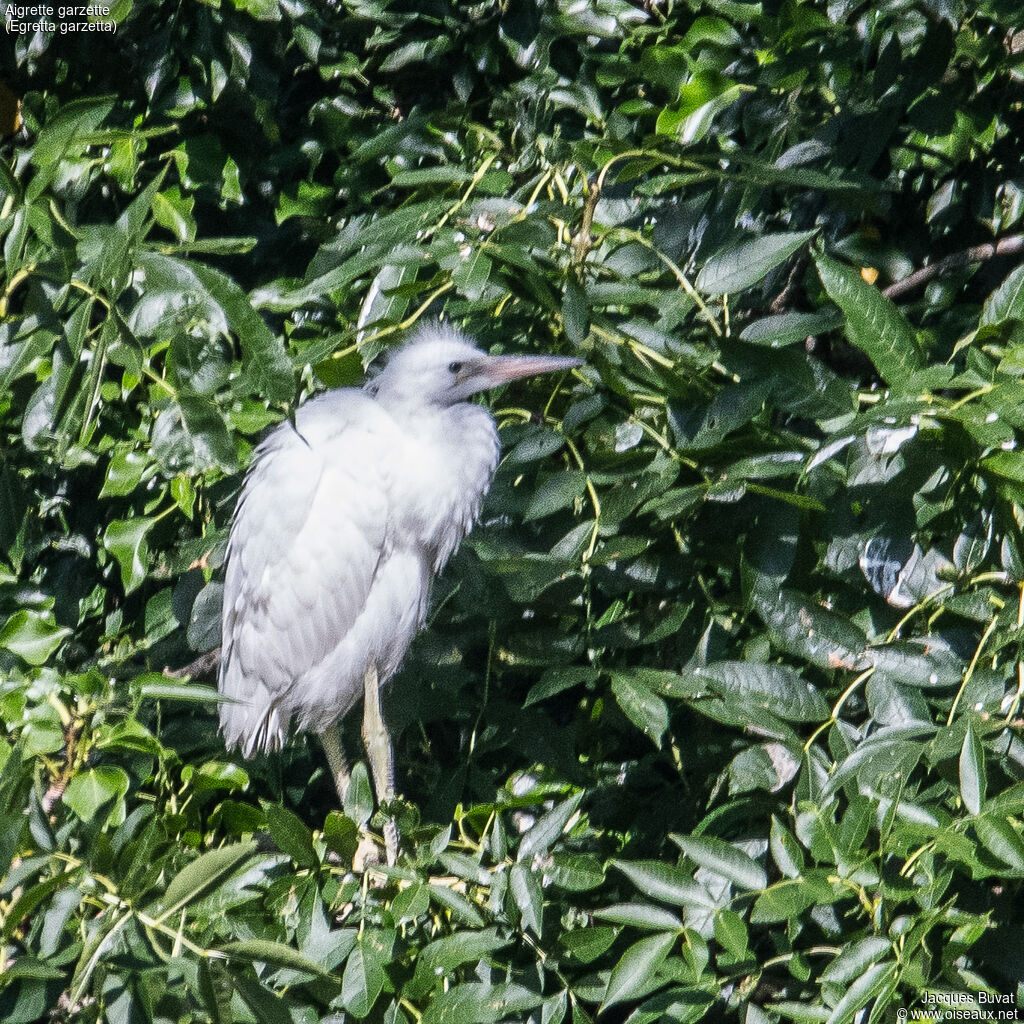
490,371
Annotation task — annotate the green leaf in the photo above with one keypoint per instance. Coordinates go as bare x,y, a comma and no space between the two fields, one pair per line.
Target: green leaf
121,239
587,944
32,635
786,851
640,915
291,835
873,323
191,436
173,211
891,749
575,313
732,408
784,901
723,859
73,120
459,906
218,775
1006,302
574,872
30,967
526,891
454,950
556,492
410,903
90,790
1009,465
690,120
731,932
646,710
789,328
154,690
124,472
385,302
742,265
125,539
446,175
866,988
775,688
1002,840
472,273
637,969
198,366
548,828
213,987
761,172
555,680
341,834
538,444
359,801
854,959
917,664
264,359
266,1006
362,981
276,954
665,882
26,903
972,772
481,1003
802,627
710,30
339,278
202,874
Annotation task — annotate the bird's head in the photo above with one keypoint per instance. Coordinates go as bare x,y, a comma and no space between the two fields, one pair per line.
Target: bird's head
440,366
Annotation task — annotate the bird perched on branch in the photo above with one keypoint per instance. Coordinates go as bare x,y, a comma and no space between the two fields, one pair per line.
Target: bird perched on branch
346,516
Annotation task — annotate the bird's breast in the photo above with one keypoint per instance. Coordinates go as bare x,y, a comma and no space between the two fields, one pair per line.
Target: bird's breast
448,464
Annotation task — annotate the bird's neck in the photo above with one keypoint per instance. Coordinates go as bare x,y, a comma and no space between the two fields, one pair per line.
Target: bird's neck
419,417
448,463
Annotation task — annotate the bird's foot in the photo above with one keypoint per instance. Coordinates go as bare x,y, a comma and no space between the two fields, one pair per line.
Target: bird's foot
367,853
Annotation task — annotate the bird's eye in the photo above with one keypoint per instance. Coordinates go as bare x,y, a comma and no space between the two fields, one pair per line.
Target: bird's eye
454,367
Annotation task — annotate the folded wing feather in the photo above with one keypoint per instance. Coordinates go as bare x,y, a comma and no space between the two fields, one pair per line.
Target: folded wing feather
309,535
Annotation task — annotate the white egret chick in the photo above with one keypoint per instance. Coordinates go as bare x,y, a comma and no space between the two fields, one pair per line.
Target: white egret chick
344,519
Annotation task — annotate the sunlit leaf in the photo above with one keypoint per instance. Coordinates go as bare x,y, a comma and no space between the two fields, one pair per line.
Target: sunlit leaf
972,772
637,968
362,981
125,539
873,323
33,636
743,265
723,859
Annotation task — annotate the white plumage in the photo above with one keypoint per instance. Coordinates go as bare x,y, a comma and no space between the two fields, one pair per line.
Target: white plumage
345,517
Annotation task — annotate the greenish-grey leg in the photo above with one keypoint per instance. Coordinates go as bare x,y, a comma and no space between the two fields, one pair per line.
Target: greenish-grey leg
381,756
335,750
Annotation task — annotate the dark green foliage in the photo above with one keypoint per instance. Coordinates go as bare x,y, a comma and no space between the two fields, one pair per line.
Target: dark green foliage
718,713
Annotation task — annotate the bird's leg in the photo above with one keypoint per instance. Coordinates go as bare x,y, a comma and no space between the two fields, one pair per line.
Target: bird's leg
380,754
335,750
331,738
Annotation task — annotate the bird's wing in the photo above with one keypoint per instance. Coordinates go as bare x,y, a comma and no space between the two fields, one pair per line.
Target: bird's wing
309,533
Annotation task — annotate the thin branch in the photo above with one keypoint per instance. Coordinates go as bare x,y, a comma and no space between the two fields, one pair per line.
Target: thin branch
784,300
204,665
1009,246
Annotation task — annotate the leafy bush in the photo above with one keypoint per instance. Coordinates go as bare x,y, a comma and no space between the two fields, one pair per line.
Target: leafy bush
718,712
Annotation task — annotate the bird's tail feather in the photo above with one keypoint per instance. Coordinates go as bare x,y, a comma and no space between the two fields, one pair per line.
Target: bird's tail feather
254,726
268,736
